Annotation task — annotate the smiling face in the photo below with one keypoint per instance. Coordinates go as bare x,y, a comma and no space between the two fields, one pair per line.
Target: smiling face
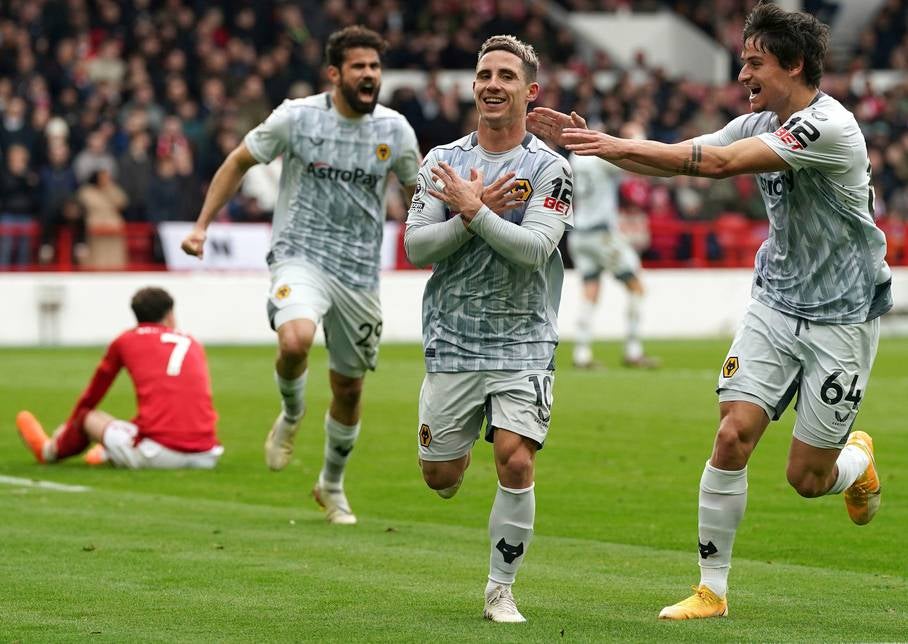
770,85
358,79
501,90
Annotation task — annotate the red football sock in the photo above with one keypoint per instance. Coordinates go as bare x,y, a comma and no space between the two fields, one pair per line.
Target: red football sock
72,440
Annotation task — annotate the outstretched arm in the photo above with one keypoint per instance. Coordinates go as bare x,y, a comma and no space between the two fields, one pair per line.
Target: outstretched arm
746,156
549,125
223,186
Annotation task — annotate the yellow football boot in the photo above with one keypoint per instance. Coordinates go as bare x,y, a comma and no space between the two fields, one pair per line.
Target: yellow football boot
862,498
703,603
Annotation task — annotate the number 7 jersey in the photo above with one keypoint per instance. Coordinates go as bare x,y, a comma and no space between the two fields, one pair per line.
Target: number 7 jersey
824,259
172,385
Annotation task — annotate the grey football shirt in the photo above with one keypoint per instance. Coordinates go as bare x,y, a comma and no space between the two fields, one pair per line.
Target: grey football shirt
595,193
482,312
824,259
331,200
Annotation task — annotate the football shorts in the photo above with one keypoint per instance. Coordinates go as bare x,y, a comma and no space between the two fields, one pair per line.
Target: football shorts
595,251
351,317
123,451
775,356
452,407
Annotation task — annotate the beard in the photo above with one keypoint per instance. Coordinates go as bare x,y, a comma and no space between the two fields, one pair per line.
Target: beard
351,95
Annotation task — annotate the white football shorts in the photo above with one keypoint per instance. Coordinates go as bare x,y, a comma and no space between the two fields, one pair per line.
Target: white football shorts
123,451
775,356
452,407
595,251
352,317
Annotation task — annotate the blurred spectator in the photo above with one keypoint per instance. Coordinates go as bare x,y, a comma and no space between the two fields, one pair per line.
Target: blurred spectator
14,126
252,105
71,221
94,158
135,169
173,188
171,139
104,202
58,185
19,191
143,98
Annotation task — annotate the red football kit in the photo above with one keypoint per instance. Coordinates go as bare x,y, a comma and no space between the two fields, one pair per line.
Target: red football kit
173,388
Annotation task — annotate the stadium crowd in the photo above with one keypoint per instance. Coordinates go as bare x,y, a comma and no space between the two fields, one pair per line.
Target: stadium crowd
115,112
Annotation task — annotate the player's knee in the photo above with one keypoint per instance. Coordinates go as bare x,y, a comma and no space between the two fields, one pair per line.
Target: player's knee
735,439
515,468
729,439
806,484
440,475
294,347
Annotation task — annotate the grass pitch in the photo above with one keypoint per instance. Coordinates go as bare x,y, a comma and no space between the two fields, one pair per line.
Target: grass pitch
243,554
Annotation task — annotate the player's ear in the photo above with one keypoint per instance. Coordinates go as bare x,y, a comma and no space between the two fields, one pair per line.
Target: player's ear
532,91
796,69
334,74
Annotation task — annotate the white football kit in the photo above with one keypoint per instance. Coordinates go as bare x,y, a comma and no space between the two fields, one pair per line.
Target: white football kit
820,281
328,221
596,243
490,308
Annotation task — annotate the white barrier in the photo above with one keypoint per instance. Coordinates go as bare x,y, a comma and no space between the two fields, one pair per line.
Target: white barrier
229,307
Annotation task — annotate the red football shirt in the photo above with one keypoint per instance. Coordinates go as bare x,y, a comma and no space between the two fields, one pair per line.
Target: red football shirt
173,388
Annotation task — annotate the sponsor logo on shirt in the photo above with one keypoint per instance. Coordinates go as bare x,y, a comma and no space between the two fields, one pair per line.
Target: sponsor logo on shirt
561,207
322,170
787,138
775,185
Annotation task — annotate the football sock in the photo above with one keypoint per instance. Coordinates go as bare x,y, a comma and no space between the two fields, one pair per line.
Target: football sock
510,531
71,440
339,441
292,395
851,463
723,497
633,347
490,585
584,335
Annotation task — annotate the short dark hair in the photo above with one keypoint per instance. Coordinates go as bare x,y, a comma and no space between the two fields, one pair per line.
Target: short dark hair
348,38
512,45
790,36
151,304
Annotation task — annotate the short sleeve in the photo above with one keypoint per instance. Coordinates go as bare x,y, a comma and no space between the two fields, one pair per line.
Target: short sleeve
270,139
406,166
805,142
732,132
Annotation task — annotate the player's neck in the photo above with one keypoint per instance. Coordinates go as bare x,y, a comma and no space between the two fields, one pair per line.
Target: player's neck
500,140
799,99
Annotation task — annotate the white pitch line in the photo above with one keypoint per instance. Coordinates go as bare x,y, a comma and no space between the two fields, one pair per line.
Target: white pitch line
44,485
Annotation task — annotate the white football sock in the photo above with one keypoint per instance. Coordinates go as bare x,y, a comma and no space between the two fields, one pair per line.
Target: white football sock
633,347
339,441
510,531
723,498
851,463
583,352
292,395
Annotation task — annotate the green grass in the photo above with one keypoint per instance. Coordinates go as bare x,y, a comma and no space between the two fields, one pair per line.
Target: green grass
243,554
